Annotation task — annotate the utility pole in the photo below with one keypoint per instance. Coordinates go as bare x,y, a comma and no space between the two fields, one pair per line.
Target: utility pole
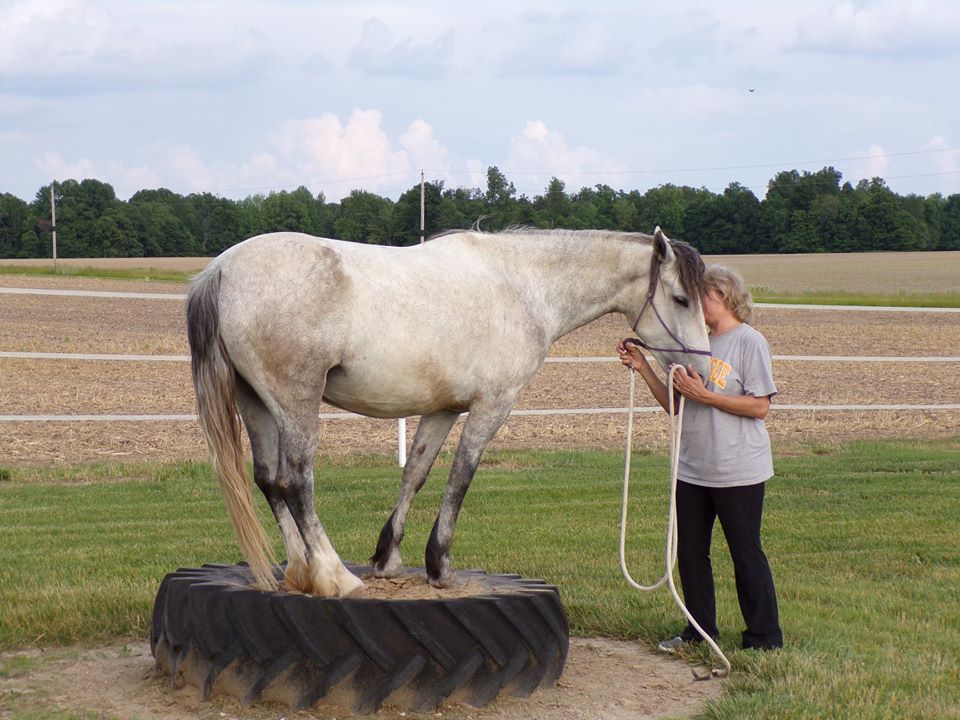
53,225
421,206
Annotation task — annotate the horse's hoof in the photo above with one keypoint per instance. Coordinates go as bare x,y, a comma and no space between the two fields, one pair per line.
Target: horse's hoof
296,578
449,580
358,593
391,569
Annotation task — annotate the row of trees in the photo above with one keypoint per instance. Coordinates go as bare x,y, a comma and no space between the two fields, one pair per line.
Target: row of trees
802,212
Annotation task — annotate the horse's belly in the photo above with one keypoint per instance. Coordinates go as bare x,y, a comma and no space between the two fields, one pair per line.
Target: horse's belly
386,397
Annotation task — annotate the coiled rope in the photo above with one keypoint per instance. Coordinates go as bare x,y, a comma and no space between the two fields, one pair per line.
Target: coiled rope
670,554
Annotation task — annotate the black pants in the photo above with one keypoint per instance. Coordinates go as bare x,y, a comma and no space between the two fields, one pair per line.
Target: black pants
740,510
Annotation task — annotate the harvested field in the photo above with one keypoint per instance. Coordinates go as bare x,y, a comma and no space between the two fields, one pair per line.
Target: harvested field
178,264
886,272
36,323
882,272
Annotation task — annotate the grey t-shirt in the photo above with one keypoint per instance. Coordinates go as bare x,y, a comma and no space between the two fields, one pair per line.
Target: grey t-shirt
719,449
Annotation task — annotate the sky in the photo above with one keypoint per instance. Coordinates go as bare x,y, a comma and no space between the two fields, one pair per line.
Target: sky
238,97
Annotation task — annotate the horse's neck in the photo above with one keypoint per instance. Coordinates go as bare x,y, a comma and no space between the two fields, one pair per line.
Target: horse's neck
577,279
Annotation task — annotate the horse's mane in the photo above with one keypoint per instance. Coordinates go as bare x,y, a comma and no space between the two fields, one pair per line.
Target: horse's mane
690,268
690,265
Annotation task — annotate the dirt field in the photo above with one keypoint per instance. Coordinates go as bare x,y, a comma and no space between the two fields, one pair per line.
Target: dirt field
37,323
603,678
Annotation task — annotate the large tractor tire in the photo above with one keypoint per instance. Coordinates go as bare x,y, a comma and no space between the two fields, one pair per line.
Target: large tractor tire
213,631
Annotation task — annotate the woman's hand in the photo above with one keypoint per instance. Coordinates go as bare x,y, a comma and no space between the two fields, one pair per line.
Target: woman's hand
688,383
631,356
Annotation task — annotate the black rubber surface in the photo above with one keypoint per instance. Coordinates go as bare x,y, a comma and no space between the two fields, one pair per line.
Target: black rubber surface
214,632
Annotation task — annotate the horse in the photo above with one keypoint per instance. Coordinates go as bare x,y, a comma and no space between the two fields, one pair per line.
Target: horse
459,324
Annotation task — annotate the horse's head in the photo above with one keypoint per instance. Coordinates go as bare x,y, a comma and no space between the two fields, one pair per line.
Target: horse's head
670,319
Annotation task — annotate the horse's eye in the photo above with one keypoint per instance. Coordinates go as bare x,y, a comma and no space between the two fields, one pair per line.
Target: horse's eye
682,301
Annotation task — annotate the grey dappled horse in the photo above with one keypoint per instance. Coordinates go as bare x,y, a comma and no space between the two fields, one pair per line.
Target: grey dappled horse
462,323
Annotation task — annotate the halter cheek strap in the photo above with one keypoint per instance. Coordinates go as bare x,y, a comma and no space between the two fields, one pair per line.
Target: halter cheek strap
649,303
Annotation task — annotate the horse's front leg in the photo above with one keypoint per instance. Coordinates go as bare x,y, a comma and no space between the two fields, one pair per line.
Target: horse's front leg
431,433
482,424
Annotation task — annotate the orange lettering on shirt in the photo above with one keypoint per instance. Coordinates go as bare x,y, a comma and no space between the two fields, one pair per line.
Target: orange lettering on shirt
718,372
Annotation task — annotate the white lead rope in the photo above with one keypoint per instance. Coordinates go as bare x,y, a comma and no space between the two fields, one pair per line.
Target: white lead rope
670,554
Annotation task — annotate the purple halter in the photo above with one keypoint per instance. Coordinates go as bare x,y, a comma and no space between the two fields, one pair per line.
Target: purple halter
654,278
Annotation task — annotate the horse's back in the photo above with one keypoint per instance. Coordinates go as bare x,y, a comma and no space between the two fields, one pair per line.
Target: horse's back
396,331
316,274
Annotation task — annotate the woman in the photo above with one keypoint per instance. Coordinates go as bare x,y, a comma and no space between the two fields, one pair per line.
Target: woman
725,461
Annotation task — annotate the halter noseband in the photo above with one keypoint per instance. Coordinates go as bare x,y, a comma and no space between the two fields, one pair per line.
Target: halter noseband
654,278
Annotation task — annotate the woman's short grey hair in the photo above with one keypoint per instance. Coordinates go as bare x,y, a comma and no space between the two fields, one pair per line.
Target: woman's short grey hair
732,289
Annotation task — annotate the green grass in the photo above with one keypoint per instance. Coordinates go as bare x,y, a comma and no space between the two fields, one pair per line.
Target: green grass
862,540
900,299
144,273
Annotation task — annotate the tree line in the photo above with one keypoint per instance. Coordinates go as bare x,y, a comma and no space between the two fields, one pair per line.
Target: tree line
802,212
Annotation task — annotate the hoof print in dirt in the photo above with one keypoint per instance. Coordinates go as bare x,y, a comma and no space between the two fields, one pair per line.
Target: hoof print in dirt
213,631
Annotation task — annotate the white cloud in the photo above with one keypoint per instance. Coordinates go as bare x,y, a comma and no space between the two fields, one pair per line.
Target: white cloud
569,43
190,170
424,149
540,150
874,164
125,179
129,179
41,34
888,27
323,151
946,162
76,46
477,174
324,154
378,54
55,167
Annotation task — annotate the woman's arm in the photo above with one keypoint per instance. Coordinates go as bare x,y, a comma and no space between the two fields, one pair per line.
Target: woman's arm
689,384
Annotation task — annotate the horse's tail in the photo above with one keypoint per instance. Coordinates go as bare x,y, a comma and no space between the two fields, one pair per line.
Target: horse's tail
214,379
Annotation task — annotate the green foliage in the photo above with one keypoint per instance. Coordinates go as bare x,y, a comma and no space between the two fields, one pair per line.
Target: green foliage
802,212
365,217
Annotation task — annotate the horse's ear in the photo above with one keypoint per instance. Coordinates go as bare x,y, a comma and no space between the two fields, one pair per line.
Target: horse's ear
661,246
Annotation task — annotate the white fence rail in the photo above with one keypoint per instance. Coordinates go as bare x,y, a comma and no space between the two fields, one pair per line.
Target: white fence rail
108,357
181,297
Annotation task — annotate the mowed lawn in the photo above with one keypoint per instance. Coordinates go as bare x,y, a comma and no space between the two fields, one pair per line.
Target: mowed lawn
863,541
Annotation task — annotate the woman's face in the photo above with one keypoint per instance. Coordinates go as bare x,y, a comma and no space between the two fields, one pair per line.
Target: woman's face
713,308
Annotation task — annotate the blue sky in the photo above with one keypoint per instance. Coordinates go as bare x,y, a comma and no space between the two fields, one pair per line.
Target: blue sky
238,97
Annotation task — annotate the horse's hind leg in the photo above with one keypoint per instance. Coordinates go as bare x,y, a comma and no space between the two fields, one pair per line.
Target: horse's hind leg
431,433
326,575
265,445
482,424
